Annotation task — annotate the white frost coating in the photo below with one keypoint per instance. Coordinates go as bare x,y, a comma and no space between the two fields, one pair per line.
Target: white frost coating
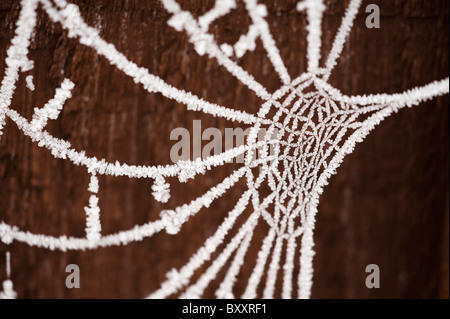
246,42
221,8
204,44
53,107
257,13
315,10
93,184
310,133
93,226
161,190
225,290
8,290
178,279
17,55
29,82
341,37
73,22
8,264
7,285
288,269
263,254
197,289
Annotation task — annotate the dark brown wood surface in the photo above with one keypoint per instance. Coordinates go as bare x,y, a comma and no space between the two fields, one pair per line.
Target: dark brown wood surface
388,204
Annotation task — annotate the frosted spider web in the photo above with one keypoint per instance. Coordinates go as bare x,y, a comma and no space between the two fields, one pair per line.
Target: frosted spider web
315,124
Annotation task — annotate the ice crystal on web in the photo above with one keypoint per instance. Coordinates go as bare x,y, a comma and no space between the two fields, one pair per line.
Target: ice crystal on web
315,126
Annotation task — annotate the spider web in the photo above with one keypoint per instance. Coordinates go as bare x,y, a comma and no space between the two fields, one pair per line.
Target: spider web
315,127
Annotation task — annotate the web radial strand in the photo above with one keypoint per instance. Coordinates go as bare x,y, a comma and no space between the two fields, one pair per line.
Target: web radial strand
289,268
196,290
341,37
255,277
93,225
275,263
273,269
254,10
175,282
225,290
8,264
17,56
179,279
318,126
89,36
221,8
62,149
183,20
408,98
